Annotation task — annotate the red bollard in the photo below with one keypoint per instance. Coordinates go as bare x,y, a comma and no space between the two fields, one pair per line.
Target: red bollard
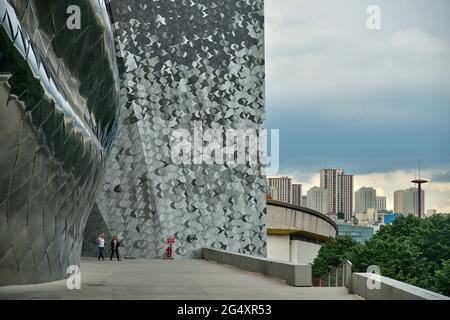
169,250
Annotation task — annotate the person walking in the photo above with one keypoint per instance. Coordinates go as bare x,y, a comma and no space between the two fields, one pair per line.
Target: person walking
101,246
115,244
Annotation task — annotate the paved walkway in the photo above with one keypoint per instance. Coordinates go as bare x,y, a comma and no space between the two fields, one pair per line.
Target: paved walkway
164,279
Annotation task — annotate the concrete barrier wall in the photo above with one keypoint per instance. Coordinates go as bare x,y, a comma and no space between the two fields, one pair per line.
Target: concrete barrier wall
389,289
278,247
298,275
303,252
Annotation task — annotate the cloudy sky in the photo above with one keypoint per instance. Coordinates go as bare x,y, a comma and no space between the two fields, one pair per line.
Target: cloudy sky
373,102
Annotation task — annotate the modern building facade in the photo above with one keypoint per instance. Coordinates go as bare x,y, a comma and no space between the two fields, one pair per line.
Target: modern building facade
389,217
345,195
304,201
371,217
317,199
381,203
296,194
185,67
398,201
365,198
59,105
281,188
329,181
340,192
358,233
410,204
273,193
295,234
406,201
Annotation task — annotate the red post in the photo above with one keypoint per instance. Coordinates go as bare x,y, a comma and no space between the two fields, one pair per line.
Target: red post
169,249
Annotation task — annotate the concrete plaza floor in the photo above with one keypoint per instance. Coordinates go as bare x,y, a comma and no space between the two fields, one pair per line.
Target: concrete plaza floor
169,279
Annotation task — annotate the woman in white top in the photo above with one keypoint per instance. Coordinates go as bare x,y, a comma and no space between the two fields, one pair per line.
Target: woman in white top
101,246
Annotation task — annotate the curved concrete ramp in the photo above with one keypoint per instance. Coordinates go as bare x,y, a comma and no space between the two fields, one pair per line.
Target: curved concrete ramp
288,219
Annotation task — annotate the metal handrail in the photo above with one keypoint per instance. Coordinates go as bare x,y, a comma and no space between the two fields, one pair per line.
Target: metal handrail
338,277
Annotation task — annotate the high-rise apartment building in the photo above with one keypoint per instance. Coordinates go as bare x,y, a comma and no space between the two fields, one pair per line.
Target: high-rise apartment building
273,193
317,199
381,203
406,201
339,187
281,188
398,201
365,198
328,181
296,194
304,201
345,195
410,205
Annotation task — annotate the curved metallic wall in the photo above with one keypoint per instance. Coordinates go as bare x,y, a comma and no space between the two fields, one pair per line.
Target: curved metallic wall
185,61
58,117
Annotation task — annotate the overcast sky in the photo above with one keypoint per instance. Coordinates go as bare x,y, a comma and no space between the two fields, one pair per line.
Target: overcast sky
373,102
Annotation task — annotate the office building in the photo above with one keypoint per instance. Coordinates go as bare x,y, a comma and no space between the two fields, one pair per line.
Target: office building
304,201
381,204
357,232
317,199
296,194
365,198
389,217
406,201
272,193
340,192
398,201
282,188
329,181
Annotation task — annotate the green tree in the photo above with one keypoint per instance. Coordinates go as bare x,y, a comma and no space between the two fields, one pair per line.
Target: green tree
413,250
333,253
410,250
443,278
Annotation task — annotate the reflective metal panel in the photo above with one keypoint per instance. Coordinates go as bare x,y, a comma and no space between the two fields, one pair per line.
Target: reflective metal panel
185,62
58,117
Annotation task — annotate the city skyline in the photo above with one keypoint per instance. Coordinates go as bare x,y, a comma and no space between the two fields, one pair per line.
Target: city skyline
353,97
402,185
305,188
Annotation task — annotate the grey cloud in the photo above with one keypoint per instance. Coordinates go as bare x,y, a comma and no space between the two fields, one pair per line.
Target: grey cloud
443,176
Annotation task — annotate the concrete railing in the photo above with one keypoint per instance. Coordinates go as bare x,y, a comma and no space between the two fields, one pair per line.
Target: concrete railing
298,275
384,288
